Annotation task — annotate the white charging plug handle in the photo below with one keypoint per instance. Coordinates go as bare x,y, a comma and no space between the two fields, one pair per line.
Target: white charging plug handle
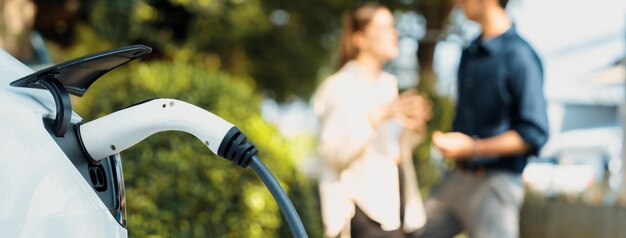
120,130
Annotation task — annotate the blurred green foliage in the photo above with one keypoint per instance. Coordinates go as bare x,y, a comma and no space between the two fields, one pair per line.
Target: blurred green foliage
283,45
281,49
429,173
175,186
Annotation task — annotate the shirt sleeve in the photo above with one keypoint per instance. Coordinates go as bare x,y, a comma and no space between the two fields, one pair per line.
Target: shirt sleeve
526,85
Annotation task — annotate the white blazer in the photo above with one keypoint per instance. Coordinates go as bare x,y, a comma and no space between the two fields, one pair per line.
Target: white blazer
359,162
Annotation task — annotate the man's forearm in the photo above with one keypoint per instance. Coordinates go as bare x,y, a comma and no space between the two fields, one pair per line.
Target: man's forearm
507,143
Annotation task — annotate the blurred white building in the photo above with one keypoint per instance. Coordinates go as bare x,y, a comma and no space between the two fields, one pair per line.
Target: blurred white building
581,44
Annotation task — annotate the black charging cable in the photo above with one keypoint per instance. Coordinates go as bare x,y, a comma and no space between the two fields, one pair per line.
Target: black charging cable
287,208
237,148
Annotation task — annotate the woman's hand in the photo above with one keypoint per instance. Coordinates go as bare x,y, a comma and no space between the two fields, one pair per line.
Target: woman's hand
413,110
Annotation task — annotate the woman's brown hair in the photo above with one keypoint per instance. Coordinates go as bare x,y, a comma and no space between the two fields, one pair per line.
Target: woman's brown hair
355,20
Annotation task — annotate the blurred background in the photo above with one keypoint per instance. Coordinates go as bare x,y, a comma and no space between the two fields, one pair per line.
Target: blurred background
256,63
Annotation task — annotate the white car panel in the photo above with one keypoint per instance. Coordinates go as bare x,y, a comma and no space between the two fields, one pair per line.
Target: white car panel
41,192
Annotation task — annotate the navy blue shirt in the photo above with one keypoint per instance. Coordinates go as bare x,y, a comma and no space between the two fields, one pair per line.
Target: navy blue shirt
500,86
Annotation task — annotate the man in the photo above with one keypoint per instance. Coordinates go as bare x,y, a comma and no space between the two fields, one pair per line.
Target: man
500,121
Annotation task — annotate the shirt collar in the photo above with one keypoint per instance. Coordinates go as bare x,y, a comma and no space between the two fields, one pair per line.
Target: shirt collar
358,71
492,45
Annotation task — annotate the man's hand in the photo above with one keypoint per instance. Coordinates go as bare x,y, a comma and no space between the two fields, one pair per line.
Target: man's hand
454,145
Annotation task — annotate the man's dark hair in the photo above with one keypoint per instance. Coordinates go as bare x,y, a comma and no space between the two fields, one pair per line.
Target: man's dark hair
503,3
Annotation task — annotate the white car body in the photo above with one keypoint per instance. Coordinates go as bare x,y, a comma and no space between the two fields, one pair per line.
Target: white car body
42,194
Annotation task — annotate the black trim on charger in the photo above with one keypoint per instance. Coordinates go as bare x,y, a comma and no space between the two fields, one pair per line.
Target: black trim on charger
75,77
61,101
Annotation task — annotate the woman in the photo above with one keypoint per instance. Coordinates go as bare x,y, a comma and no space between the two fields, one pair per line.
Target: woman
368,186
